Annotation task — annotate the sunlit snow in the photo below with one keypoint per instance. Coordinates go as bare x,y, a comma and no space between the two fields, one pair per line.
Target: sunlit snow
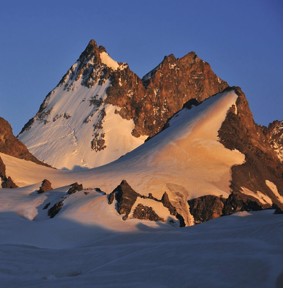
108,61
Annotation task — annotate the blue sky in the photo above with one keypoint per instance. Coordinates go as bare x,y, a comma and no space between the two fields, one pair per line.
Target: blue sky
39,40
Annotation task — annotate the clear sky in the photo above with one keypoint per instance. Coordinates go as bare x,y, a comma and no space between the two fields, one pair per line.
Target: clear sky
39,40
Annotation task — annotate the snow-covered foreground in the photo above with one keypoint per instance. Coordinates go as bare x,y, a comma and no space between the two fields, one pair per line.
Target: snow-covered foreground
242,250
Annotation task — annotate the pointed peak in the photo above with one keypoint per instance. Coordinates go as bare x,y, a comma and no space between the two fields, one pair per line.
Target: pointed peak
169,58
190,57
92,43
91,47
98,54
94,47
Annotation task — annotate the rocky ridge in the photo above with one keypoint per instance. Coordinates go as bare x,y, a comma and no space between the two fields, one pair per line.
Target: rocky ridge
10,145
262,170
274,134
163,91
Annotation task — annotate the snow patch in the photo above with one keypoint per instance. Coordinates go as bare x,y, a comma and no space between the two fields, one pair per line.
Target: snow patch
263,199
108,61
274,189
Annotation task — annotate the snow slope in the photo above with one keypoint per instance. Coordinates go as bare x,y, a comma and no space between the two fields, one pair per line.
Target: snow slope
242,250
76,127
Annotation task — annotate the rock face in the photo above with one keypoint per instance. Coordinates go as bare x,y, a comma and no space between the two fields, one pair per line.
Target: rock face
10,145
54,210
210,207
262,170
131,204
45,186
125,197
163,91
146,213
274,134
206,208
240,202
98,97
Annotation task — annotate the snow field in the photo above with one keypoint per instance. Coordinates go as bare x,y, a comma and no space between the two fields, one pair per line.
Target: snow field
234,251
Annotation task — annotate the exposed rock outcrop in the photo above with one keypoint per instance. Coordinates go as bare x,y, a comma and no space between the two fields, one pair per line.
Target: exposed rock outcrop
10,145
125,197
262,165
75,188
54,210
237,202
146,213
274,135
206,208
210,207
45,186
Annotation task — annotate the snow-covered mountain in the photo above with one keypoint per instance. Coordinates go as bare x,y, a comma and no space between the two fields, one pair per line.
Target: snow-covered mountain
213,149
112,225
101,110
115,224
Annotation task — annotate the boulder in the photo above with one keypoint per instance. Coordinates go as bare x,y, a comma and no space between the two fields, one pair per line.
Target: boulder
125,197
45,186
75,188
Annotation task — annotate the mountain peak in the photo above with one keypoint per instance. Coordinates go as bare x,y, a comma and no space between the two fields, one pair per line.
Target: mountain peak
190,57
98,96
92,43
95,54
90,50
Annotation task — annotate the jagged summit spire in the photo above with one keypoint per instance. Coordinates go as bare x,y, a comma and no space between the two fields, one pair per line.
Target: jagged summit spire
93,46
90,50
92,42
190,57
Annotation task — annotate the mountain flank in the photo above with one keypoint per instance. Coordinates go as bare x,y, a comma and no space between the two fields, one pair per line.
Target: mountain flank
100,110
